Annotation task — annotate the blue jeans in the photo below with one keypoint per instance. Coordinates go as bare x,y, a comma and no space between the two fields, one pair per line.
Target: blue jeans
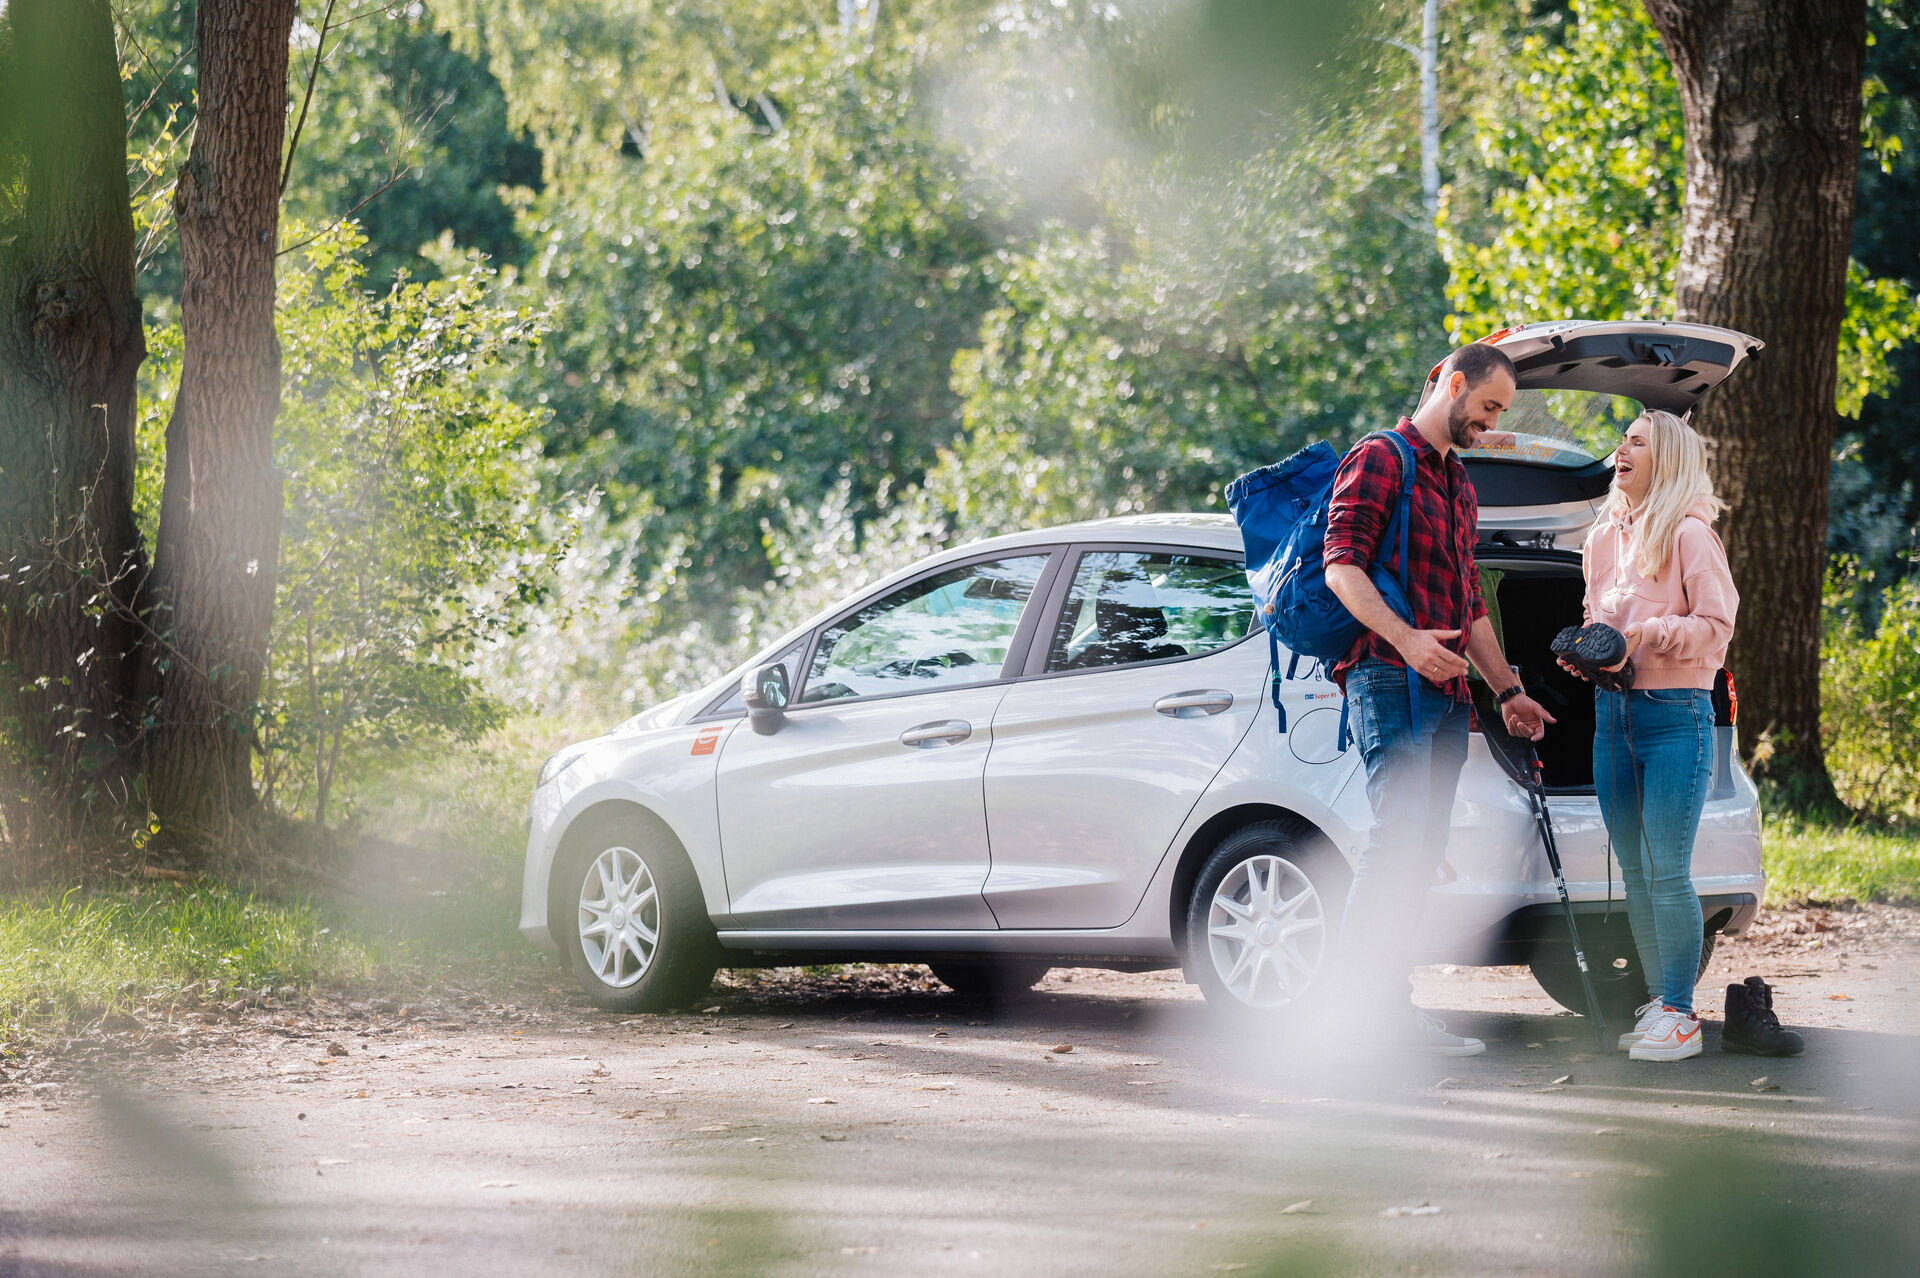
1410,784
1652,757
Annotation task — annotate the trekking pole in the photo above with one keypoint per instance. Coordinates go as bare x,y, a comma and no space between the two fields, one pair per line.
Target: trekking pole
1537,792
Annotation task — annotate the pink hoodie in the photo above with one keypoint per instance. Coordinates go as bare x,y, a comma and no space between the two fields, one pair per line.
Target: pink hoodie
1685,614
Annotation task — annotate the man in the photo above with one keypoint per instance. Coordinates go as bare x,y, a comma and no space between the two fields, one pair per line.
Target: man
1413,766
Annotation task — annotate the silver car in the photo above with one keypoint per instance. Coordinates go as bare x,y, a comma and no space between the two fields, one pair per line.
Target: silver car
1059,748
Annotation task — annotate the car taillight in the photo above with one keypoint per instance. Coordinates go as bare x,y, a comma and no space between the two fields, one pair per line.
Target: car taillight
1726,702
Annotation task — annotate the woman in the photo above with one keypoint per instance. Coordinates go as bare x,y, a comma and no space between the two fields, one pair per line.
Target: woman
1656,572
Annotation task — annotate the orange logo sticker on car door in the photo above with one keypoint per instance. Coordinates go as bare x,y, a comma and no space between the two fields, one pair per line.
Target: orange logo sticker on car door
706,741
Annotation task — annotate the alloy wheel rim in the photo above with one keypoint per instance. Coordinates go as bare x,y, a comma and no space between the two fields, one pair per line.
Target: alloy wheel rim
619,917
1266,931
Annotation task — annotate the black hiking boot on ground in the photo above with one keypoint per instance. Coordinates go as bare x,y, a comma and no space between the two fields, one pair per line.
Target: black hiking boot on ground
1751,1028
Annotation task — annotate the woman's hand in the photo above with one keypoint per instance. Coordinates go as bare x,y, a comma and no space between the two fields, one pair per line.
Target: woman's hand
1632,636
1573,670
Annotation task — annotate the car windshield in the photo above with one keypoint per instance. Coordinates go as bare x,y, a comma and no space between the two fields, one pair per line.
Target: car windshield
1563,428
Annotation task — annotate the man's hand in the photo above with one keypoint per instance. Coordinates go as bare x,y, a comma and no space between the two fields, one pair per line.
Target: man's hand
1424,652
1526,717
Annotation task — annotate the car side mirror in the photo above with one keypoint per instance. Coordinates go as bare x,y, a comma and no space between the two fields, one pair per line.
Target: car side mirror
764,693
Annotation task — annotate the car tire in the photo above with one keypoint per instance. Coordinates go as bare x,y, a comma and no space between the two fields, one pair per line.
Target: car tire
990,978
637,930
1262,916
1620,986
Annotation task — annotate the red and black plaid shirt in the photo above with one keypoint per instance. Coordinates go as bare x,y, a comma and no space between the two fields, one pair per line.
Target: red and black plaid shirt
1443,582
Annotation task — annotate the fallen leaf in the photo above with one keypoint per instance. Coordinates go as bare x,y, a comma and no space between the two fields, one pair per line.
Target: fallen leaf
712,1127
859,1251
336,1049
1062,1047
821,1100
331,1162
1840,998
1300,1206
1534,1047
835,1136
1419,1209
1562,1079
1760,1081
929,1087
709,1011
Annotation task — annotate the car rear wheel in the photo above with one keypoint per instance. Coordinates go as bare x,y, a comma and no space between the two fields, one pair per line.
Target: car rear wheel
1614,964
1262,916
990,978
638,934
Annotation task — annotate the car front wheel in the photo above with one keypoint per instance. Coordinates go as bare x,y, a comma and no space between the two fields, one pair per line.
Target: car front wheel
1262,916
639,935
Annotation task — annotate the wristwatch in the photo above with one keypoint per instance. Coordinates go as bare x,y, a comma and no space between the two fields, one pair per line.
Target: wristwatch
1512,690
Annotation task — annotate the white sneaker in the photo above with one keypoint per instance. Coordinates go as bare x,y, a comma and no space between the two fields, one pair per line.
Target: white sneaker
1430,1036
1673,1037
1643,1018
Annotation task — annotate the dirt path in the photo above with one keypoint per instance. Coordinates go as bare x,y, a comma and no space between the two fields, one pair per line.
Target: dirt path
870,1122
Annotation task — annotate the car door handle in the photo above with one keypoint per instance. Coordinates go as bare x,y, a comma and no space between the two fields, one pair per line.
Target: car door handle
942,732
1192,705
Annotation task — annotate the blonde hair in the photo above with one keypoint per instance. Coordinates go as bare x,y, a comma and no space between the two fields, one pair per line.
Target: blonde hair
1679,482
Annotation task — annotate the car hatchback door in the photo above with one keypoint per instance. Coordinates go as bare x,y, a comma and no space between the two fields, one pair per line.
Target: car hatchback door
864,811
1142,691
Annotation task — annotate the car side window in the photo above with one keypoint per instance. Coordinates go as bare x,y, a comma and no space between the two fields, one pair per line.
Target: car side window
1131,606
951,628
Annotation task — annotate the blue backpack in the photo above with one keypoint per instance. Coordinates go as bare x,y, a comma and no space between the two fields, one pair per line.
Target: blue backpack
1282,513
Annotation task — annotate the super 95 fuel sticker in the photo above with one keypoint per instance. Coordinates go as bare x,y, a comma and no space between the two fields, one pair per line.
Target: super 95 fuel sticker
706,741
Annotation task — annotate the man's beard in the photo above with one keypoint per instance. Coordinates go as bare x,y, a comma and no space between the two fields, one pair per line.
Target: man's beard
1459,429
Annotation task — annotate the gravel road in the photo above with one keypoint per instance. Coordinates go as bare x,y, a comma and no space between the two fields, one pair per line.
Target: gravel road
872,1123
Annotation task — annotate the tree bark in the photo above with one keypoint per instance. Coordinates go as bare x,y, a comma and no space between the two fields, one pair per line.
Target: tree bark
1770,90
70,346
220,509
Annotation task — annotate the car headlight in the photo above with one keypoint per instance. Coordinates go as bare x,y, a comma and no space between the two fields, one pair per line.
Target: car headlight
559,762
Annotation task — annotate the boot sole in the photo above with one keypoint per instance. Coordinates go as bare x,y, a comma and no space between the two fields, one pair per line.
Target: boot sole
1742,1049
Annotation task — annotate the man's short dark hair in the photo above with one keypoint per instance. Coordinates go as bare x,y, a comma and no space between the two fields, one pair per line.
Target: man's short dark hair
1479,360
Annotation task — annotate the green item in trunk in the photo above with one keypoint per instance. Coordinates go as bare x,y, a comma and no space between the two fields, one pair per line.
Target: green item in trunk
1490,591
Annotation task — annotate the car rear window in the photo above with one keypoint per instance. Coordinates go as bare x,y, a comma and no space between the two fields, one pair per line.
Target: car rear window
1568,429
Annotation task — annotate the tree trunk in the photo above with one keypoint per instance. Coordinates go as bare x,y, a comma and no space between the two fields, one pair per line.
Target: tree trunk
220,509
70,346
1771,95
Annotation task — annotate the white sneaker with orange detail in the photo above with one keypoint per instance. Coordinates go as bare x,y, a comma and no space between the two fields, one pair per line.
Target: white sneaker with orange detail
1674,1036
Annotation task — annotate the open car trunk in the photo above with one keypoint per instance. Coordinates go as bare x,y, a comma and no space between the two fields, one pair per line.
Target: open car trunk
1534,595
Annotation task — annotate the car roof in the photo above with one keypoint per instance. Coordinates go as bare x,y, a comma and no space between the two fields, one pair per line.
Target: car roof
1183,528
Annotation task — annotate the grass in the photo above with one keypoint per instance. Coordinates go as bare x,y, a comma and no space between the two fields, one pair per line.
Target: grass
67,959
1808,861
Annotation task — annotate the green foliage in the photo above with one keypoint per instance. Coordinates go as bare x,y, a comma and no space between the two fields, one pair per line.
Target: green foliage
411,531
1870,699
763,307
1214,323
413,509
1588,138
1586,150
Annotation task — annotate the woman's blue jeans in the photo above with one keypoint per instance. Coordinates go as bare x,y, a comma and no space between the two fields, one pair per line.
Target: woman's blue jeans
1652,757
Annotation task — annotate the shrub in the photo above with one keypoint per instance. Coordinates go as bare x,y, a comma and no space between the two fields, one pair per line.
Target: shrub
1870,698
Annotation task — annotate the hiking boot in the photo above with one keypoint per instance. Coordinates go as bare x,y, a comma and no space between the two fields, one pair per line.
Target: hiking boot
1673,1036
1752,1029
1430,1036
1643,1018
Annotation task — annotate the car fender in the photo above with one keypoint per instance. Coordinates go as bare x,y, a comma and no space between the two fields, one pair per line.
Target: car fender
670,774
1264,773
